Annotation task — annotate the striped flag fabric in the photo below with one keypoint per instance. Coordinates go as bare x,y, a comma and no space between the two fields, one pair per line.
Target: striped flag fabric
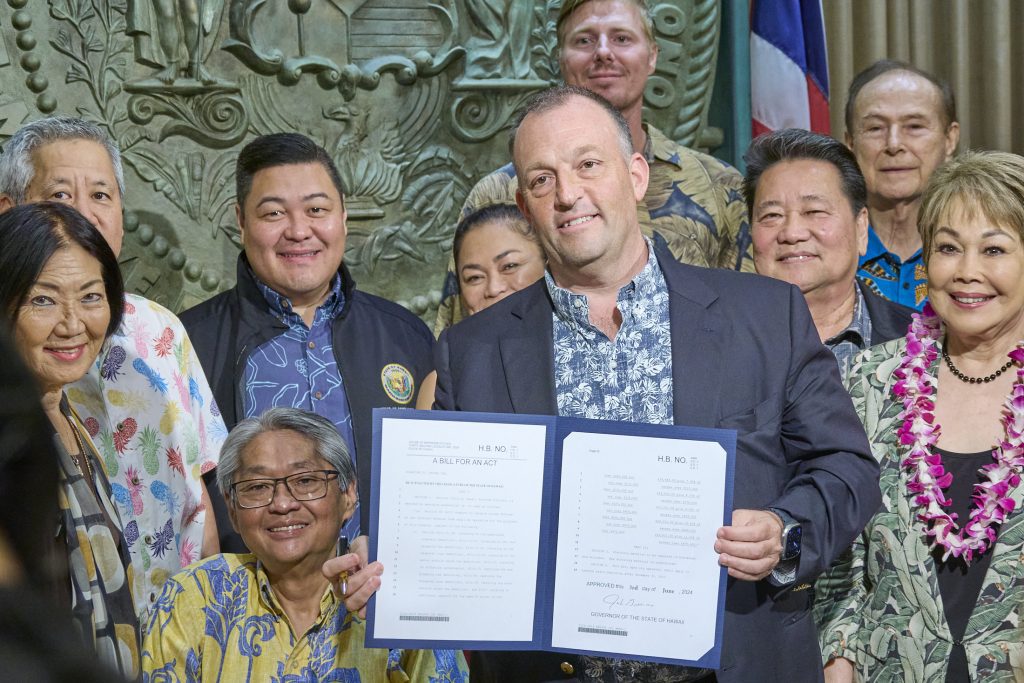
788,66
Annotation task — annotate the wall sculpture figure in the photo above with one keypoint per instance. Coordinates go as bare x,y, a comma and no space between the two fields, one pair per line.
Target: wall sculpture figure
498,45
173,36
411,97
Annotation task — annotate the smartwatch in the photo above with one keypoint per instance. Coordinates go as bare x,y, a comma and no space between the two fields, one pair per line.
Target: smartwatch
792,532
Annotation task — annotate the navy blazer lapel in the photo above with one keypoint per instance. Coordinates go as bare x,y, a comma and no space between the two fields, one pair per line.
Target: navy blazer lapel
527,353
698,333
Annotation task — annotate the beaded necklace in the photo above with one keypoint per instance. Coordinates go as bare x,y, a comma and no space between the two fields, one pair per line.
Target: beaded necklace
992,502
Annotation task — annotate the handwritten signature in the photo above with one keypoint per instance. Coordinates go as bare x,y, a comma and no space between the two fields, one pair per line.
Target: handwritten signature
616,600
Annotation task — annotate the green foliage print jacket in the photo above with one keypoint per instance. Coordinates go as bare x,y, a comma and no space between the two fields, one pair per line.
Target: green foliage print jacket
879,605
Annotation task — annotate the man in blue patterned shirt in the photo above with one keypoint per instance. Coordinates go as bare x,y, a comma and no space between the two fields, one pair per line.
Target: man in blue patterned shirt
901,125
618,329
294,331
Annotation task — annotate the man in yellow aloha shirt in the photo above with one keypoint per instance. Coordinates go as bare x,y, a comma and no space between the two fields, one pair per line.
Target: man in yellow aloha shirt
272,615
694,202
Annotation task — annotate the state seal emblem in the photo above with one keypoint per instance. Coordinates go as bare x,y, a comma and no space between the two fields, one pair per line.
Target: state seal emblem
398,383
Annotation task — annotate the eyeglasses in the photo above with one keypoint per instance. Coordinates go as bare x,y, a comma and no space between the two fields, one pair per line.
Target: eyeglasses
257,493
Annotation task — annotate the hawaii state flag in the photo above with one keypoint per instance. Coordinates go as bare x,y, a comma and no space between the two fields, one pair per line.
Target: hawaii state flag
788,66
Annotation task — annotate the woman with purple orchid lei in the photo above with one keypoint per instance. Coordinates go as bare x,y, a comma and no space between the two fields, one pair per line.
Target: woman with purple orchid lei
933,589
928,478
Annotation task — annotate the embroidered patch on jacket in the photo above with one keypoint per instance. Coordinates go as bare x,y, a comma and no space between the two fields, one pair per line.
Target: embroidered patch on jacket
398,383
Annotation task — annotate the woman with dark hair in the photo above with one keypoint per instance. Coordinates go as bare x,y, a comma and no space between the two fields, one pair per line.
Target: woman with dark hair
32,628
63,295
496,254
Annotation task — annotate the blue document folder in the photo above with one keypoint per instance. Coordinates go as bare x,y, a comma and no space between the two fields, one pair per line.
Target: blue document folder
606,506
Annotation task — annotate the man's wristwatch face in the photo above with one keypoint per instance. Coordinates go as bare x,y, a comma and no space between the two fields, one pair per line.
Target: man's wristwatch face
791,536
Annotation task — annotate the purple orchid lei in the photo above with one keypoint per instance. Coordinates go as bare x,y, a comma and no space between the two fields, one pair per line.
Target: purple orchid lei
992,501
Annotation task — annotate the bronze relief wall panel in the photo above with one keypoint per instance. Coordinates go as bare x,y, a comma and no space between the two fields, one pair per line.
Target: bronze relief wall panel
411,98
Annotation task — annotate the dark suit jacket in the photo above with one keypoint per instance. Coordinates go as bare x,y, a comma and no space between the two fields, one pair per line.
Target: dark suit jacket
745,356
889,320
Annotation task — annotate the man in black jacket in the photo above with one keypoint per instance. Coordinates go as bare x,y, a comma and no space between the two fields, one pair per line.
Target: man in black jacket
294,330
809,222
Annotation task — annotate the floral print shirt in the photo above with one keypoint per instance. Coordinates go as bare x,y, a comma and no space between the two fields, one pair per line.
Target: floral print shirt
627,379
219,620
854,339
148,408
298,369
880,605
905,282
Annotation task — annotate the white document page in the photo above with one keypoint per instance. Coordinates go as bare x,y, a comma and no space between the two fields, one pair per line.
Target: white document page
459,529
636,571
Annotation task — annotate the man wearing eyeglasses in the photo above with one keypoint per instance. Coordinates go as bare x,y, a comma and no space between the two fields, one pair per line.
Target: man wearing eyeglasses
289,484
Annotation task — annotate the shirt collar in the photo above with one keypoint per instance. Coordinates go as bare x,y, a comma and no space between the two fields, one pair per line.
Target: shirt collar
859,328
877,249
659,148
281,306
574,309
327,601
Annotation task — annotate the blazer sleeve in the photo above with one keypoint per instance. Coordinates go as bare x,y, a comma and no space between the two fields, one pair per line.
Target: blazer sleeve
833,490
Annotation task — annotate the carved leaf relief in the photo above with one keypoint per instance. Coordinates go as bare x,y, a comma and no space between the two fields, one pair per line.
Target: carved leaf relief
411,99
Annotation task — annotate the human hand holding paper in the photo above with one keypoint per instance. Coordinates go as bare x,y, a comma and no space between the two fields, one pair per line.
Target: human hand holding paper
353,577
751,547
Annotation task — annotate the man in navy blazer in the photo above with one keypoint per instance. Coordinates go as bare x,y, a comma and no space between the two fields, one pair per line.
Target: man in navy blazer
724,349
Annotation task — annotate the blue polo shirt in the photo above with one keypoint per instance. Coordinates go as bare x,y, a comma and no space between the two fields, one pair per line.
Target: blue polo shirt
905,282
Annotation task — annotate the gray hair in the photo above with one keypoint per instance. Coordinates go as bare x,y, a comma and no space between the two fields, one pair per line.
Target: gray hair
552,98
16,169
327,442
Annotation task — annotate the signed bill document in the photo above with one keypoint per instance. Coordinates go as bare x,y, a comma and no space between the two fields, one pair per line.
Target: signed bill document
538,532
